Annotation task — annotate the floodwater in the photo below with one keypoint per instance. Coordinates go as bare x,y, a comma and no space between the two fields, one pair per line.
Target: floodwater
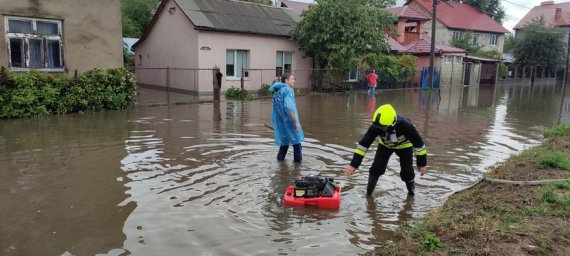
202,179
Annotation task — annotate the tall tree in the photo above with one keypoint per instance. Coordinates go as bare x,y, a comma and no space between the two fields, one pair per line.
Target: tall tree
541,46
510,41
340,33
136,15
493,8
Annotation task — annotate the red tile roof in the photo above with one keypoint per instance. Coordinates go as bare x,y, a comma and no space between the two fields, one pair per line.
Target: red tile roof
423,46
462,16
395,45
407,12
548,11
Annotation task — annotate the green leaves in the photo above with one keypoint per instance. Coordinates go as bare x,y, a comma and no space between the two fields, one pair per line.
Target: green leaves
541,45
340,33
37,94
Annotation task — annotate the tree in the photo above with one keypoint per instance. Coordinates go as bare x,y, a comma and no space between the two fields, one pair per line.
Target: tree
340,33
136,15
510,41
493,8
541,46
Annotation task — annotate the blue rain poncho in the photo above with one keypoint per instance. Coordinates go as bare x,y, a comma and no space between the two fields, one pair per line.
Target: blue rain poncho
283,104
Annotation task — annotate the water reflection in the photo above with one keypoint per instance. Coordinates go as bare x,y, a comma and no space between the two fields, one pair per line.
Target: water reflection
203,178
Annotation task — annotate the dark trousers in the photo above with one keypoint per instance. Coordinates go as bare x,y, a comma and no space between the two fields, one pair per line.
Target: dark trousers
381,162
297,152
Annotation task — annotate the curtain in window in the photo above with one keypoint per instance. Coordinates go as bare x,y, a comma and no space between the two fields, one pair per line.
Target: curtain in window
288,61
278,63
19,26
54,60
230,63
46,28
241,62
36,58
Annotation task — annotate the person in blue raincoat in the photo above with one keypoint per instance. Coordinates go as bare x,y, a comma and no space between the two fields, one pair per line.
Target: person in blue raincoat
285,118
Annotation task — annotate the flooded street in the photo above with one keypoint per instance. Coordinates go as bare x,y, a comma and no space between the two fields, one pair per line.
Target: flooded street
203,179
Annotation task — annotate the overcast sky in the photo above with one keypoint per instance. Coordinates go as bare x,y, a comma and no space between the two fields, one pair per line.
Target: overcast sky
515,9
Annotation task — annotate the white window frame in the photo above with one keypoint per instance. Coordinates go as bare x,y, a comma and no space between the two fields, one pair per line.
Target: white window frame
283,70
457,35
237,73
26,37
457,59
352,79
447,58
494,39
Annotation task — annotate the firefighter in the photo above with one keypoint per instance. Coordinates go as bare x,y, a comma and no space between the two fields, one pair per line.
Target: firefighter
397,135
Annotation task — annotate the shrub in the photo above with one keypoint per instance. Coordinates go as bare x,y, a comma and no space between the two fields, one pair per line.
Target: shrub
236,93
264,91
36,94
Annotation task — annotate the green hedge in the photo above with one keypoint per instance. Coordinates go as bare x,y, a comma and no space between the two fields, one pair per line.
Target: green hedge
37,94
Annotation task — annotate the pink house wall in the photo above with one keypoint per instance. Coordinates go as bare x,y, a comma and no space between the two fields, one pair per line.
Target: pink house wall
173,42
261,55
423,61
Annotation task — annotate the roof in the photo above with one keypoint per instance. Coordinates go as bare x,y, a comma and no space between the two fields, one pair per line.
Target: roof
548,11
462,16
236,16
471,57
233,16
296,6
423,46
407,12
395,46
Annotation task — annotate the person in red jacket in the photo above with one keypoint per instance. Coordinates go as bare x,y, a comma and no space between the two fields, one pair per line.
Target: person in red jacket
372,79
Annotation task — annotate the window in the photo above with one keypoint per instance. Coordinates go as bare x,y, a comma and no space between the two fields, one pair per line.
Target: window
236,62
458,59
493,40
284,63
475,39
447,59
34,43
353,75
457,35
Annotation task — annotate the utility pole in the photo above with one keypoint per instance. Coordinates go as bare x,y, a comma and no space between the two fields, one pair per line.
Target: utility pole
432,51
567,61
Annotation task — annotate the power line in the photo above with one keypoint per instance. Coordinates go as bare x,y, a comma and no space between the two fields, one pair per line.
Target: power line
517,4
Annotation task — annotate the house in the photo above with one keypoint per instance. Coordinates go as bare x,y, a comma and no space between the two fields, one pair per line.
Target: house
188,39
554,15
60,35
411,39
455,19
294,5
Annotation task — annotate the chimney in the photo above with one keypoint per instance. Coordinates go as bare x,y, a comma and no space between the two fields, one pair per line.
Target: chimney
547,3
558,14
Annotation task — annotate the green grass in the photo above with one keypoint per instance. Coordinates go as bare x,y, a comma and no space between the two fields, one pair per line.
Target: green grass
554,159
561,130
558,196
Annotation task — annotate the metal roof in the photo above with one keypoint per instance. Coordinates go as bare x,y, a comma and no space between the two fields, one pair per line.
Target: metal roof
236,16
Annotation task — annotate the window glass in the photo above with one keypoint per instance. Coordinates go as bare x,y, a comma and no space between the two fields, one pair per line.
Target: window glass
17,52
241,62
36,58
47,28
288,61
230,63
54,59
20,26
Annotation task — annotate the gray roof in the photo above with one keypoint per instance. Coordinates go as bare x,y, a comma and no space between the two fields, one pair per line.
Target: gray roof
236,16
